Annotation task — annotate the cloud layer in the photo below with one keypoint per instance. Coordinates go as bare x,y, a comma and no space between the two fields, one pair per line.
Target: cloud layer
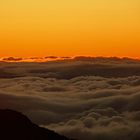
80,99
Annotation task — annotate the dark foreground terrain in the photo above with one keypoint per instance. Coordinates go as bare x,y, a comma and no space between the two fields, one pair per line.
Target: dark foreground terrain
16,126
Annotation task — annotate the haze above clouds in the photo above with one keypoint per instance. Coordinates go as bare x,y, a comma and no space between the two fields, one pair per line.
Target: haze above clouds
82,98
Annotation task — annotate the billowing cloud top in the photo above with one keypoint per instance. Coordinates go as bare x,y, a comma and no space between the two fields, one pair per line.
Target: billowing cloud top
79,98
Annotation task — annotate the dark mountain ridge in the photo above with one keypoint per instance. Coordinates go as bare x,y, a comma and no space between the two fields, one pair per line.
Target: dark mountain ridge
16,126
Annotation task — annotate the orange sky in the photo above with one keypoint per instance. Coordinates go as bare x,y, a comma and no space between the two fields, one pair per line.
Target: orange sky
69,27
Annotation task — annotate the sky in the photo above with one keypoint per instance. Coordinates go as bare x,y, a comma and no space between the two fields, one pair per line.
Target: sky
68,28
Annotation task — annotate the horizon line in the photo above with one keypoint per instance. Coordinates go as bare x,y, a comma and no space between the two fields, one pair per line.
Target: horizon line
59,58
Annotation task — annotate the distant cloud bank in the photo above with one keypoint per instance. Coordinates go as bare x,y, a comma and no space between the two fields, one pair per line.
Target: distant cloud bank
54,58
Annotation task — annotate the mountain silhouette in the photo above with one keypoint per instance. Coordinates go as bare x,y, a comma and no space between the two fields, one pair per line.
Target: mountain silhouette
16,126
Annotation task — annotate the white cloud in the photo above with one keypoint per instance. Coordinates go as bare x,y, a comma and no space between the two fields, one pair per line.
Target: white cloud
83,107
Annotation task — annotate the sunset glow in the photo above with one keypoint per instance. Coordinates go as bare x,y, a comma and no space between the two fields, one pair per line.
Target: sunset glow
40,28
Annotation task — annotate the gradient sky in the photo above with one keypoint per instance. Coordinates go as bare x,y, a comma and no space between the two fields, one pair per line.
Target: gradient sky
69,28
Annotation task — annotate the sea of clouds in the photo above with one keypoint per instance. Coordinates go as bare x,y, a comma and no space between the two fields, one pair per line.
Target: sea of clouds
86,99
